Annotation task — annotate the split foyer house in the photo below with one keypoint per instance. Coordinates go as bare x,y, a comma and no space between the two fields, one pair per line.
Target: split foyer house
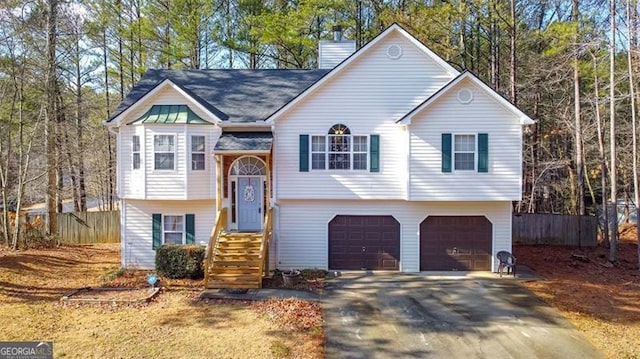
386,158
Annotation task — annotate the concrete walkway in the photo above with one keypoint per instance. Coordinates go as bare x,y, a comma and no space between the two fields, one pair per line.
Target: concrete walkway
435,315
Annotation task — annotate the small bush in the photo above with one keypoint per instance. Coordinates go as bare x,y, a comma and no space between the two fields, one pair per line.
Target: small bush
111,274
177,261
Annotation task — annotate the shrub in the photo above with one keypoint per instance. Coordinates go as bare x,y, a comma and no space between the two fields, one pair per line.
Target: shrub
178,261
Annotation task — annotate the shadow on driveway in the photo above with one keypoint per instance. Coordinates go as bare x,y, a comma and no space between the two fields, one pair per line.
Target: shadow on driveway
415,316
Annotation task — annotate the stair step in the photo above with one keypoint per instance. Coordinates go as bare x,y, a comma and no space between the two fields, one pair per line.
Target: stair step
225,270
231,277
241,235
213,284
237,262
248,245
238,251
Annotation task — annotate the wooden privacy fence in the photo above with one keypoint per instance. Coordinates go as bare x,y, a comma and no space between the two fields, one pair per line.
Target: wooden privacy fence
89,227
555,229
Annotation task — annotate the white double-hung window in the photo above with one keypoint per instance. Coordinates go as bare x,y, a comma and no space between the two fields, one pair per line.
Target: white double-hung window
173,229
464,152
164,152
197,153
135,152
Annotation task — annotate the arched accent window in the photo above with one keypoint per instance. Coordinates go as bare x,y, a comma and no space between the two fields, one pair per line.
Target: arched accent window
339,129
339,150
248,166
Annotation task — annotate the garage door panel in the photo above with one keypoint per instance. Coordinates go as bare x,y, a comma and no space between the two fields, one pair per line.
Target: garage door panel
378,235
455,243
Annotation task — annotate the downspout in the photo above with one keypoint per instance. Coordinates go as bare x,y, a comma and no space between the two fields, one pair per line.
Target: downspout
274,195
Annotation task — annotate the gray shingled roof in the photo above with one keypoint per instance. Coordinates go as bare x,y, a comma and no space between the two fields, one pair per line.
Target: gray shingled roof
244,141
232,95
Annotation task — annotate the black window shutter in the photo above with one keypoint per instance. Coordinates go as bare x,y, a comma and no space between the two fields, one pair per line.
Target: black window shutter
446,152
483,152
374,165
304,153
157,230
190,228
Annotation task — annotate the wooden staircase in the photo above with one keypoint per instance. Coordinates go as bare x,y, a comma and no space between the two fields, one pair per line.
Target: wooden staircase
237,260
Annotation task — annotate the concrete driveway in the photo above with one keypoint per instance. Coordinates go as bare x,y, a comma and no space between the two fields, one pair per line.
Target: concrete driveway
418,316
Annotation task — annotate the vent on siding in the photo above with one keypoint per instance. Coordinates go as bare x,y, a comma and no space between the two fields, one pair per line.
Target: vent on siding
331,53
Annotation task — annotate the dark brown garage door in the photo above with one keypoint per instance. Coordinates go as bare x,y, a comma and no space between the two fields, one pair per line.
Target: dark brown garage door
455,243
364,242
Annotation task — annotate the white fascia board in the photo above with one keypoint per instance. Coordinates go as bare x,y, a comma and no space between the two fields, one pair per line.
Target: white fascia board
241,152
395,27
118,119
521,116
231,125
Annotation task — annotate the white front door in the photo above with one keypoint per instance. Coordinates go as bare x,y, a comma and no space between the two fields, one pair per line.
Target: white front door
250,204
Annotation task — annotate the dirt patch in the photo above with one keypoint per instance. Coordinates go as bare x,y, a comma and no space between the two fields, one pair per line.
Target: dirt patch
600,299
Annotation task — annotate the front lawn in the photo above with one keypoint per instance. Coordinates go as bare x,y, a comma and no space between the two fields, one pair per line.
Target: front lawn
175,324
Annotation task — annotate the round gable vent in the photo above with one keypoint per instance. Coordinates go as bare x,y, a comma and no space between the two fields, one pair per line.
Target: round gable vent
394,52
465,95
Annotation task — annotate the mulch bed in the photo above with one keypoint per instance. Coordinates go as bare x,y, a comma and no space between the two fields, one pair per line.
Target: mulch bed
311,280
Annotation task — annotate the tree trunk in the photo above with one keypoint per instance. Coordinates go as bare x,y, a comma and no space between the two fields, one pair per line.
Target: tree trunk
634,131
495,47
612,138
603,157
76,156
51,118
577,113
512,53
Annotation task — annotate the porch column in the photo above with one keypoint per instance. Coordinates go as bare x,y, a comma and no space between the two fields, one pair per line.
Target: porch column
219,181
268,179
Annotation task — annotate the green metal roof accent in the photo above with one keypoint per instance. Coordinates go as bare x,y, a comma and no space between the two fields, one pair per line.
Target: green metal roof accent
169,114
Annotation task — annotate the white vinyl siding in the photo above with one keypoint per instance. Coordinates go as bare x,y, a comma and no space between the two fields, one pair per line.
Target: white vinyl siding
331,53
131,182
483,115
307,246
181,183
202,184
368,96
137,229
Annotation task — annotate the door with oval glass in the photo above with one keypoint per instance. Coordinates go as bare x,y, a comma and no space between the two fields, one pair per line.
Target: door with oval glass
250,204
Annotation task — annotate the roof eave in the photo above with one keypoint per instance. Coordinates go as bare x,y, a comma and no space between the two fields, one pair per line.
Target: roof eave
523,119
117,120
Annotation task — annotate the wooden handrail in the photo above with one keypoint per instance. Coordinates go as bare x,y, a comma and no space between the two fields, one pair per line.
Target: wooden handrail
264,245
221,220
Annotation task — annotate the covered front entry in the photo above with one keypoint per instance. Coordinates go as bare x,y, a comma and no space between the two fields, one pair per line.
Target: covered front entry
247,189
455,243
364,242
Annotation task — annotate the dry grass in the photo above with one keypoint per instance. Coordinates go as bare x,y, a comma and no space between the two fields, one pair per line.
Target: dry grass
602,302
173,325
